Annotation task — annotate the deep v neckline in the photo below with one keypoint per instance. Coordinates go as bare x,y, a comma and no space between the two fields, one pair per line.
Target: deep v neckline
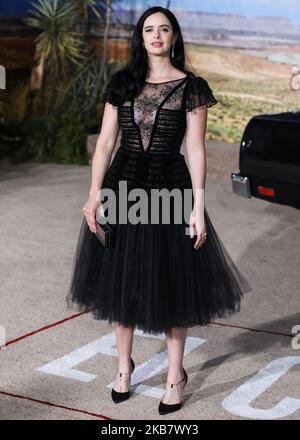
141,145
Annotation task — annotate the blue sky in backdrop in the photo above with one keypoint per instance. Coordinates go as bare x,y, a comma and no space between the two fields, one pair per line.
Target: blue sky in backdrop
249,8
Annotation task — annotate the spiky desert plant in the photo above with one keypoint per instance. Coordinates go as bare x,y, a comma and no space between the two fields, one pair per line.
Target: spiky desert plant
59,46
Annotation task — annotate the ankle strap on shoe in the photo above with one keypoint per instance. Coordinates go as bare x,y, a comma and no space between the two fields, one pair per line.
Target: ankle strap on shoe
182,380
122,374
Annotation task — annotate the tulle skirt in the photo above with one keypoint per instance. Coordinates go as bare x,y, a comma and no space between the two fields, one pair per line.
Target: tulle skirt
153,279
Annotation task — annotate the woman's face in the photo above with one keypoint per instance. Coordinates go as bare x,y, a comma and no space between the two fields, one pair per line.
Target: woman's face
158,34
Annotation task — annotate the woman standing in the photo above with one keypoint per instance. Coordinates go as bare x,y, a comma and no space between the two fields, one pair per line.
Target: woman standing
157,277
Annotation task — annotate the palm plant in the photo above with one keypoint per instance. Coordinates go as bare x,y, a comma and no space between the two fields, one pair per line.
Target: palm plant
58,46
67,77
83,6
100,78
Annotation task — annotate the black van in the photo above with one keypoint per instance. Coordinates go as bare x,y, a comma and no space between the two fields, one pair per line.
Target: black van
269,159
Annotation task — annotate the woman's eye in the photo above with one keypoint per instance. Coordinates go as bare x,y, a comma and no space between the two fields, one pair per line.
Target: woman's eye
165,29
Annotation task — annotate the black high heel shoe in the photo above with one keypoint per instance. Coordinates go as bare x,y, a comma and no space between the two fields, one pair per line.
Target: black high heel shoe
118,396
165,408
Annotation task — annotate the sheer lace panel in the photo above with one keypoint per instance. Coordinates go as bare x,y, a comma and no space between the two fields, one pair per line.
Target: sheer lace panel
149,101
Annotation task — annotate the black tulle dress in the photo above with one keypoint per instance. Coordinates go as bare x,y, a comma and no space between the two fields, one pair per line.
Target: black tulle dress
153,279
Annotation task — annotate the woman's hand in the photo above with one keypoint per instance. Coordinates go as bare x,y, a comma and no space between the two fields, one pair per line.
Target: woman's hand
197,221
90,209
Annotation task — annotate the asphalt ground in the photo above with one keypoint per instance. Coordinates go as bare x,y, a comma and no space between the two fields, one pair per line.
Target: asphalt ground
61,364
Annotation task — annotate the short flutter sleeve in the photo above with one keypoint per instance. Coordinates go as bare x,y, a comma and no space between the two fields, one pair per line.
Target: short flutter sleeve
198,93
113,91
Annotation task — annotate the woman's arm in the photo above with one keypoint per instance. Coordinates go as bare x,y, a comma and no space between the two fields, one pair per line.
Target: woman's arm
104,147
196,158
101,160
195,146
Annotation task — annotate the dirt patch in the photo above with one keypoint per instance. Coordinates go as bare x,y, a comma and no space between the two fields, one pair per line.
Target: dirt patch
236,64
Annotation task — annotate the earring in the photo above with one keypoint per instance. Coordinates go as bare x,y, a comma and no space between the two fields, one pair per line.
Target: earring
172,54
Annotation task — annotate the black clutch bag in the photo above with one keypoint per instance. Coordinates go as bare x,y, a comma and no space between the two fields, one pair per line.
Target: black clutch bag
105,233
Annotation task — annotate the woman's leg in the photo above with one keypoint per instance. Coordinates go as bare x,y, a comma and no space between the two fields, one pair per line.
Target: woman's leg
124,338
175,339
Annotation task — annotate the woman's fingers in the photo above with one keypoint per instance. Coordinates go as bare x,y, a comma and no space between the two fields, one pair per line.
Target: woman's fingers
200,236
89,210
90,218
200,241
93,224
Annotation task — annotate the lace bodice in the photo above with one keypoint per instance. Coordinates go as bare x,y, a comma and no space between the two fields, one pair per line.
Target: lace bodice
155,120
149,101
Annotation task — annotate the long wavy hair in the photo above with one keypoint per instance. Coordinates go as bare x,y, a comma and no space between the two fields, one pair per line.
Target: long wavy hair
128,82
